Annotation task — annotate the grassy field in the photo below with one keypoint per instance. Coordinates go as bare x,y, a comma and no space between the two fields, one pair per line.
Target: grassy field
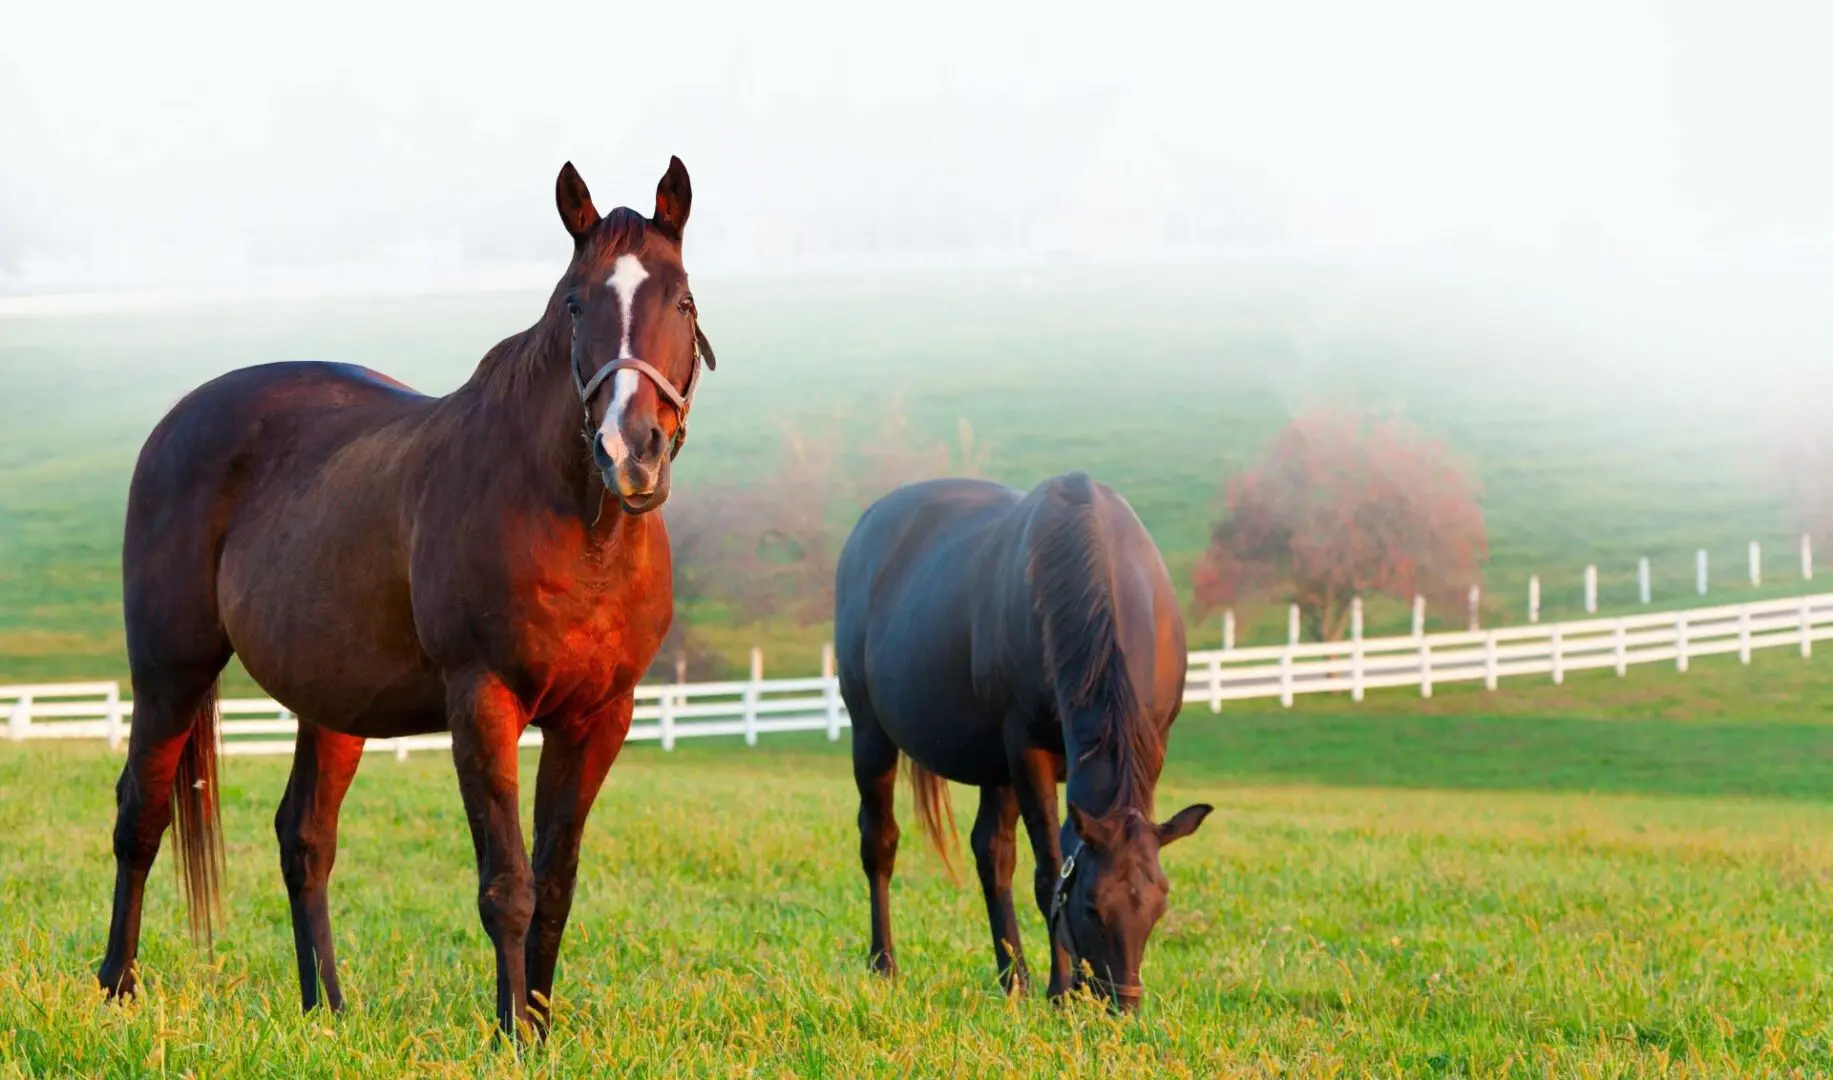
1590,446
1612,878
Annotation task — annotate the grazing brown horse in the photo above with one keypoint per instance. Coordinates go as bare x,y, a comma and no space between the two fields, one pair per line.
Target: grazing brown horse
386,563
1009,641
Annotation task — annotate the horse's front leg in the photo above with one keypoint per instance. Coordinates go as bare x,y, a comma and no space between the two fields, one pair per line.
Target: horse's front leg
574,760
487,721
1034,781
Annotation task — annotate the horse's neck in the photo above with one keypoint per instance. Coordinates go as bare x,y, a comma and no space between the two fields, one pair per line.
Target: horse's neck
521,402
1113,761
1094,781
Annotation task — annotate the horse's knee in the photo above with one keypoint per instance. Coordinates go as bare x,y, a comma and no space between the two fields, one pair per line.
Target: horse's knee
506,900
1044,882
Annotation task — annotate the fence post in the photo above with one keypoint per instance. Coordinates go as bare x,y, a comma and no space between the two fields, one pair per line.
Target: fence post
665,717
1228,629
400,749
1355,649
1744,634
1807,558
1285,677
114,716
1476,601
20,719
1622,650
1642,582
831,692
753,690
1591,589
1425,667
1559,656
1489,660
1756,564
1699,571
1807,622
1419,616
1533,598
1292,625
1680,642
1215,684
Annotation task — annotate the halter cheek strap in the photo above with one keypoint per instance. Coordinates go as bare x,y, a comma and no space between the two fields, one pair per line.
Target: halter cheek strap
1061,931
681,401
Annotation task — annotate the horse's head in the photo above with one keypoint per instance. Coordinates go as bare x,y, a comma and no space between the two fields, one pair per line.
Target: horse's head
1111,893
636,340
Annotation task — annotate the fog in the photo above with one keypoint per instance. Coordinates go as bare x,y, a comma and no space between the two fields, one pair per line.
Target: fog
1610,152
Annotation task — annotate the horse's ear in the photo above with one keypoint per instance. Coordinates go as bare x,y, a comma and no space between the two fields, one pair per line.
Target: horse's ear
1183,823
674,197
1097,833
575,202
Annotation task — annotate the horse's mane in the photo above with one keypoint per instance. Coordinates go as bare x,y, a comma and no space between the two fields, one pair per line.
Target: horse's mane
1070,571
514,365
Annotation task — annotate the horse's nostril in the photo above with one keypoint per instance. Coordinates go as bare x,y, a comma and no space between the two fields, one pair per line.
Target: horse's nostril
652,448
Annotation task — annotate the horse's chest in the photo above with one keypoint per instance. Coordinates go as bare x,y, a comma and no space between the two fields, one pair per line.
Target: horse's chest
595,637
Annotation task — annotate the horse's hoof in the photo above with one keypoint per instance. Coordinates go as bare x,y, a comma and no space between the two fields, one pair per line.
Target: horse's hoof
118,987
884,965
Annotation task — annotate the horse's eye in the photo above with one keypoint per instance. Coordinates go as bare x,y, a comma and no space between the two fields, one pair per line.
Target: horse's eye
572,306
686,306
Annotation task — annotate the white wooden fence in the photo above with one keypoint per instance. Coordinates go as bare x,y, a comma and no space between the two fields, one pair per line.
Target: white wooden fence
752,707
664,713
1551,649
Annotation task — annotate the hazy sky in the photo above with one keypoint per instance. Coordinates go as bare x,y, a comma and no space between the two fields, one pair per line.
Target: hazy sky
191,143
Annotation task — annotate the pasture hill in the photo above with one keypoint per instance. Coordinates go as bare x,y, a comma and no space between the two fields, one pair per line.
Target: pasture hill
1587,449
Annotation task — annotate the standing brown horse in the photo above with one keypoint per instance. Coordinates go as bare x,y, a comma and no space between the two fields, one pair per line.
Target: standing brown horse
386,563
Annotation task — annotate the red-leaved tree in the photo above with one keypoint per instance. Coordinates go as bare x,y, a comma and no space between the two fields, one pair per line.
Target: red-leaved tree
1344,504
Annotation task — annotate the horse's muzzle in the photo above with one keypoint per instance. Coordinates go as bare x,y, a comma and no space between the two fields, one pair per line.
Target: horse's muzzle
640,486
639,490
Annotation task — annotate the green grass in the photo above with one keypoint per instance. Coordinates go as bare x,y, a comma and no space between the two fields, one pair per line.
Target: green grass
1602,879
1588,449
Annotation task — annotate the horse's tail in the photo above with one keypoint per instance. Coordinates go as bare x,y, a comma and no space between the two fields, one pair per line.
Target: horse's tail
197,821
935,812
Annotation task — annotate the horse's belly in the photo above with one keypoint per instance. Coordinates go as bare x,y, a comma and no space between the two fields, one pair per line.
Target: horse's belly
923,699
337,648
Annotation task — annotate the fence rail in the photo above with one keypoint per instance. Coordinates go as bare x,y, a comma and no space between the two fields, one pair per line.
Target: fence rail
1552,649
668,712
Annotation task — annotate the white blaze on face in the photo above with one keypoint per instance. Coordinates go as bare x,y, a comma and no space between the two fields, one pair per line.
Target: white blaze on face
627,275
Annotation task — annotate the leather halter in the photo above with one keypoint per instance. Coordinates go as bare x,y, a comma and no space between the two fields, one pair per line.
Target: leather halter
682,401
1060,929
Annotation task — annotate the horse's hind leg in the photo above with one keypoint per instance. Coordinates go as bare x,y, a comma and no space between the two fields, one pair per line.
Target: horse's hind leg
995,853
875,773
168,701
324,762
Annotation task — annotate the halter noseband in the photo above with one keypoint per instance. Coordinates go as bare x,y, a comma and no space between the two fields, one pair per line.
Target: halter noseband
681,401
1060,928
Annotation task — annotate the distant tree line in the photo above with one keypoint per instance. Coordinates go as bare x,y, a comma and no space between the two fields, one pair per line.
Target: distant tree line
1342,503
